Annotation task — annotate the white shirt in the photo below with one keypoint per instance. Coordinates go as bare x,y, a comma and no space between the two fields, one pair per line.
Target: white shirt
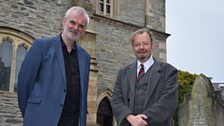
147,64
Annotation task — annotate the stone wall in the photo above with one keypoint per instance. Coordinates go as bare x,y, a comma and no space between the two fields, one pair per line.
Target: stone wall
132,11
106,39
203,106
113,52
113,49
38,18
9,111
156,15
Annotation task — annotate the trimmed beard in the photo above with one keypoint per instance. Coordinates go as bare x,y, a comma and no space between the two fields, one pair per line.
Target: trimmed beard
73,38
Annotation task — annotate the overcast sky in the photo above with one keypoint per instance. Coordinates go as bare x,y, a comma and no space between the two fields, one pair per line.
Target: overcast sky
196,43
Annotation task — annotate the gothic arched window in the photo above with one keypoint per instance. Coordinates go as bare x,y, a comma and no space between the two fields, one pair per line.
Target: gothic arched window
5,64
21,52
14,45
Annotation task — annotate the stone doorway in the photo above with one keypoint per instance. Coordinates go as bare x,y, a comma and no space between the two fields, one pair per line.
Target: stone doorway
104,113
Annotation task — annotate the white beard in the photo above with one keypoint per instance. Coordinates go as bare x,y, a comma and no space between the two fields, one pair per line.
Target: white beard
73,38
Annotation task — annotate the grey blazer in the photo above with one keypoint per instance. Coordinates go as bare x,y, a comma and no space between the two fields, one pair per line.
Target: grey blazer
161,97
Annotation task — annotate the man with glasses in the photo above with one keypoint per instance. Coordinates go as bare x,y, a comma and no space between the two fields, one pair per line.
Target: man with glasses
146,91
54,76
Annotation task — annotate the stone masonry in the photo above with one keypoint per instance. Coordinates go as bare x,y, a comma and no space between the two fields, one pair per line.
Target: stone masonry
106,39
9,111
203,107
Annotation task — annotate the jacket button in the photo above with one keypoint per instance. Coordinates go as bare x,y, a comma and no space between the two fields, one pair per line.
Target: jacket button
61,105
64,90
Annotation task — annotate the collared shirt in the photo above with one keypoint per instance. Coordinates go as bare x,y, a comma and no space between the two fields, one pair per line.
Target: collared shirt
146,64
72,99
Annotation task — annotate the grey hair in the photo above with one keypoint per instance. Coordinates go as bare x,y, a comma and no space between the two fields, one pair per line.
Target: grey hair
80,10
140,31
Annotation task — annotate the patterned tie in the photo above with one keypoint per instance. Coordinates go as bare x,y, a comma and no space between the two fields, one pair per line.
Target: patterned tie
141,71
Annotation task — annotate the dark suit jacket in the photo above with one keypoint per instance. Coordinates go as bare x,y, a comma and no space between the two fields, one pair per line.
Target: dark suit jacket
42,83
161,97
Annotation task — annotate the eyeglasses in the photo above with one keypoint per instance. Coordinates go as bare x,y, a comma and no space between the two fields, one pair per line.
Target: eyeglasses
141,44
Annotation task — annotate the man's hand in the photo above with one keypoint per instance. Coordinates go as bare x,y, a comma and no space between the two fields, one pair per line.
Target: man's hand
138,120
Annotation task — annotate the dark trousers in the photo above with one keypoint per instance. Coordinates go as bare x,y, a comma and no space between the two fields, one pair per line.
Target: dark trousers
68,120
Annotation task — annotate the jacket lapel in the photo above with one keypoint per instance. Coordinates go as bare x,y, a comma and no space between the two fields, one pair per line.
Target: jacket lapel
81,66
60,57
153,80
132,77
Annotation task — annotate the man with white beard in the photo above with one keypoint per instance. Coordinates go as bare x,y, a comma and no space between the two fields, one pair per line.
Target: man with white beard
53,79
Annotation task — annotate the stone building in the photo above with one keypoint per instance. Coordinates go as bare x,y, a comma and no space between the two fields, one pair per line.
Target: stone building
106,39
